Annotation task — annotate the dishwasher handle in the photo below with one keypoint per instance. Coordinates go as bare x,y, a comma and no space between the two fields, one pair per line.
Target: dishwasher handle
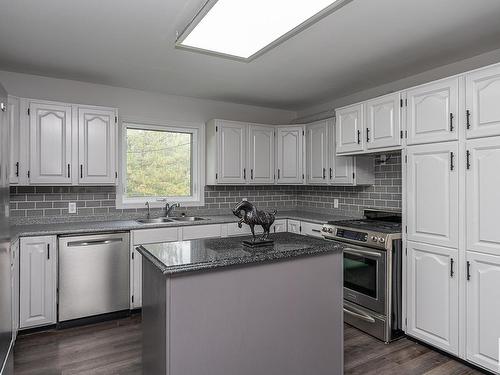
92,243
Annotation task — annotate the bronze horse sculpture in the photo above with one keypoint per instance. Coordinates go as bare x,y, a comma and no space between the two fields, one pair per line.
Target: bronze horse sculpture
248,214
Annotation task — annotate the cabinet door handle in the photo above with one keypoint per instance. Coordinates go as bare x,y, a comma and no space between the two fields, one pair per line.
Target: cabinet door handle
48,251
451,122
367,135
244,173
316,230
467,116
452,159
467,156
359,137
331,173
69,170
81,170
251,174
278,174
452,272
324,173
17,169
468,270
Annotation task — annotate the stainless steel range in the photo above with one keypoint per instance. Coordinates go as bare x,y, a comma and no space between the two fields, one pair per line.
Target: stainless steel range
372,272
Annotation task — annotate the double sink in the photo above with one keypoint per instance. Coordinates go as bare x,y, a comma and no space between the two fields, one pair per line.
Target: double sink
160,220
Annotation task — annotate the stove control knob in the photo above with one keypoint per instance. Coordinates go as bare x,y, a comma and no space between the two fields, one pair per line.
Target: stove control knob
381,240
330,230
374,238
324,229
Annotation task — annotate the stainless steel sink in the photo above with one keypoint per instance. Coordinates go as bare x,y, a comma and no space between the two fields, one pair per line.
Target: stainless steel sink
187,218
157,220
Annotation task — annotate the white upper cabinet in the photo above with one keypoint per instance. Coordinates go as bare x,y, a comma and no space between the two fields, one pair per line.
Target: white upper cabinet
482,98
50,143
432,281
290,145
64,144
97,131
432,112
483,306
349,129
341,168
482,195
38,277
432,194
15,140
231,152
317,153
383,122
261,154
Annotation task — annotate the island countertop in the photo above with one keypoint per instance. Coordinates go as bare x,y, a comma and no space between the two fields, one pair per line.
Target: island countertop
173,258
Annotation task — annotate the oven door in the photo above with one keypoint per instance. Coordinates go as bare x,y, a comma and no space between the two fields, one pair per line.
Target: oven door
365,277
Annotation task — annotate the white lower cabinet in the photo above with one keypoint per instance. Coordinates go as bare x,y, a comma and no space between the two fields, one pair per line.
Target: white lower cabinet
432,292
135,277
14,250
38,278
279,226
293,226
142,237
483,310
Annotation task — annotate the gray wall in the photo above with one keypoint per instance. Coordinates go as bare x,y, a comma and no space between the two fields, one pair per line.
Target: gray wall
37,204
385,194
326,109
138,105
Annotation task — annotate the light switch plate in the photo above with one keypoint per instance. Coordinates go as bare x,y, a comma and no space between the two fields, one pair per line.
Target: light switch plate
335,203
72,207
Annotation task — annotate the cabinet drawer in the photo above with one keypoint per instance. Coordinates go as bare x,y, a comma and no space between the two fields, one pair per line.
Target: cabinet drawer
201,231
311,229
154,235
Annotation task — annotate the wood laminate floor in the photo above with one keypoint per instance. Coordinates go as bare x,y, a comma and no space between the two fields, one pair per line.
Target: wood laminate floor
115,348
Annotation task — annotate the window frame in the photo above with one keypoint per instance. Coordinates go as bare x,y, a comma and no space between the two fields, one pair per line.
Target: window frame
198,169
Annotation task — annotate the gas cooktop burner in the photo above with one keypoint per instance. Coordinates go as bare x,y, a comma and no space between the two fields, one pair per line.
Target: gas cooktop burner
377,230
371,225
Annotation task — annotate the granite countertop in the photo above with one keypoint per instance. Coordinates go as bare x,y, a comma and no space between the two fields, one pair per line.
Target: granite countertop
126,225
173,258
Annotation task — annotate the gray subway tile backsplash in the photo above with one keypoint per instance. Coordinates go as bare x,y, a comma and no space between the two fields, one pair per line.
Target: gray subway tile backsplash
31,204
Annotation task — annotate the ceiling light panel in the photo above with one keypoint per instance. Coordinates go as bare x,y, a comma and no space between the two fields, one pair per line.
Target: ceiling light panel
243,28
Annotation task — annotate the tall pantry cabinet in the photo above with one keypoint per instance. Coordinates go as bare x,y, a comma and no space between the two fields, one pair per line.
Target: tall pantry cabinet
453,147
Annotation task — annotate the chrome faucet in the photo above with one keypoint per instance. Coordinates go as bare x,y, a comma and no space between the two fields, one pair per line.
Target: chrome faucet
169,207
149,210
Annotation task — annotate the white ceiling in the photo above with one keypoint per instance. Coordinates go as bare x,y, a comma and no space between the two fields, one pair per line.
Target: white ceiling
130,44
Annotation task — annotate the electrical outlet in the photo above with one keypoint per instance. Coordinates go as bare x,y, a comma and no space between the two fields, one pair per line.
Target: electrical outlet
72,207
335,203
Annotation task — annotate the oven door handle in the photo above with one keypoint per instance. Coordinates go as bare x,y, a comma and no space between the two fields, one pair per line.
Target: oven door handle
365,317
357,252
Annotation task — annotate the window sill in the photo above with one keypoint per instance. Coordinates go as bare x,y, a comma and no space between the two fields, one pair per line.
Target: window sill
155,203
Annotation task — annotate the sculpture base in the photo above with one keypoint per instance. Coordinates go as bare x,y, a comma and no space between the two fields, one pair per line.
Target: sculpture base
257,243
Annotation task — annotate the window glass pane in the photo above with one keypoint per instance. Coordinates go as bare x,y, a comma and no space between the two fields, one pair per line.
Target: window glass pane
159,163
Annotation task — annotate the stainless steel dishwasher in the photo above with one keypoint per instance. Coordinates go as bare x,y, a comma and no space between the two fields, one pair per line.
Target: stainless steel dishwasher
94,275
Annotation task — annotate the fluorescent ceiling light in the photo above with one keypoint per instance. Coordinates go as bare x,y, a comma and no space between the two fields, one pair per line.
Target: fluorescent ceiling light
245,28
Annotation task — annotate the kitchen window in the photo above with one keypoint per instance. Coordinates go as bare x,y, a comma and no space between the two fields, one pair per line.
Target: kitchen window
160,164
